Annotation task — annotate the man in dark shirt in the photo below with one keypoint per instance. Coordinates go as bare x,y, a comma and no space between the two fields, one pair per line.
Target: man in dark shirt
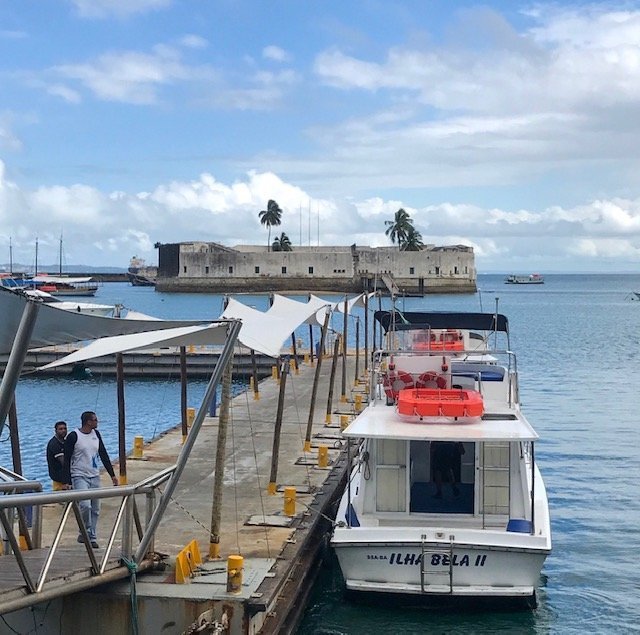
445,460
55,455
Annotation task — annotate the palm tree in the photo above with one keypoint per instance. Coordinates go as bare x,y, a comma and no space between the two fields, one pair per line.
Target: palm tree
281,243
270,217
399,227
413,241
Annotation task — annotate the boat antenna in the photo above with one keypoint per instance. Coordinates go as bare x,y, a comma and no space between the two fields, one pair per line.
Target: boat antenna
10,256
35,271
60,258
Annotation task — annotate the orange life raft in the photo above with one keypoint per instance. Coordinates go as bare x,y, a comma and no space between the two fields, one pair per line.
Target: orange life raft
431,402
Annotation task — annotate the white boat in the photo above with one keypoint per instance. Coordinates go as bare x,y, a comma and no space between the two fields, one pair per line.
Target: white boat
64,285
443,407
88,308
534,278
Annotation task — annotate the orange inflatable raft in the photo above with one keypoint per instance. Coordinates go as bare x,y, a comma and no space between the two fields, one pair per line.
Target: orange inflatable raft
431,402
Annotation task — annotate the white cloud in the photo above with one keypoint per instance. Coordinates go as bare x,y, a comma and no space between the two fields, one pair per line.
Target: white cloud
68,94
117,8
130,76
275,54
194,42
121,223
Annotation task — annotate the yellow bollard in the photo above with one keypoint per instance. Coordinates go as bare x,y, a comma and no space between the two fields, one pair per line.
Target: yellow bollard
138,445
191,415
344,421
251,383
358,403
290,501
274,372
234,573
323,456
306,358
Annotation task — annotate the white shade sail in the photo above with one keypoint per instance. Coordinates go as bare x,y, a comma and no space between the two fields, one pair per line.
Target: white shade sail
214,333
61,327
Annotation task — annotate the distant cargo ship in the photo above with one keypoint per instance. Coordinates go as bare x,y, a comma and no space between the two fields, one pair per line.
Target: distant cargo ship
534,278
141,275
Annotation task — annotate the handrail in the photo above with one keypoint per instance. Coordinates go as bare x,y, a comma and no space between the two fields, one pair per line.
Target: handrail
69,499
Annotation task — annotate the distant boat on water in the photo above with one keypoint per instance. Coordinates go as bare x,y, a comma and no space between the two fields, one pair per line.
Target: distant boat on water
534,278
141,275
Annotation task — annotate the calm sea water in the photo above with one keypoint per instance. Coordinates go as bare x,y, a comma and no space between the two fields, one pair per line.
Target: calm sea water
578,343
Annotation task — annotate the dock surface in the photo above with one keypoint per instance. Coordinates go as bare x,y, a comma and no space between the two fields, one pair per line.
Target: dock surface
279,551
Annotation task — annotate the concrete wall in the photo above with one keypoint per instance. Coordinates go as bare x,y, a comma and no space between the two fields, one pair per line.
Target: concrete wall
212,267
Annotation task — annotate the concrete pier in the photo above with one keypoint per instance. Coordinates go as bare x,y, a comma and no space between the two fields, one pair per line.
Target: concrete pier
280,552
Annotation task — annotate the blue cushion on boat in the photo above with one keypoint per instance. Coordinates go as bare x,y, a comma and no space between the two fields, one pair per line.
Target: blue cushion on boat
520,525
351,517
485,375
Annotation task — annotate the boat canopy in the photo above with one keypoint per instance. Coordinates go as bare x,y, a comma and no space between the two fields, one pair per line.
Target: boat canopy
405,320
382,422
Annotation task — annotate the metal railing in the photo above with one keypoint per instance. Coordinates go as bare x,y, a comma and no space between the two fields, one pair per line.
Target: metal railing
126,518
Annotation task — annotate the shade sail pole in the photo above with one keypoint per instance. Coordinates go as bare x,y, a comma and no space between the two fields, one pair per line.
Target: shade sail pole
316,379
16,358
223,360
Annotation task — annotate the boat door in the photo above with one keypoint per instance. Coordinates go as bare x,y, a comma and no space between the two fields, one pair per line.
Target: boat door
442,477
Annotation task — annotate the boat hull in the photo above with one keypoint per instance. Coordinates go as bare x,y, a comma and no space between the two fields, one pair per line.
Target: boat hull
439,569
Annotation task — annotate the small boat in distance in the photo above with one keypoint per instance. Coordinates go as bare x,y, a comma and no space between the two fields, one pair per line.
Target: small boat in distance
141,275
534,278
444,499
63,285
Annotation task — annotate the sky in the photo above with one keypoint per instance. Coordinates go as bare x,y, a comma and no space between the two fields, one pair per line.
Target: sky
512,127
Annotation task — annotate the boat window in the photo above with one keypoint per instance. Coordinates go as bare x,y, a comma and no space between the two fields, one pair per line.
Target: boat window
391,475
495,470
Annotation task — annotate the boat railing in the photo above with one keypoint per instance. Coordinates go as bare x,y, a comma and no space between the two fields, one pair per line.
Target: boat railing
472,357
19,497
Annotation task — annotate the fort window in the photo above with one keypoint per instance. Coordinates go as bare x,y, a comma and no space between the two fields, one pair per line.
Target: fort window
256,269
437,271
230,268
412,270
206,269
284,270
310,269
184,269
455,270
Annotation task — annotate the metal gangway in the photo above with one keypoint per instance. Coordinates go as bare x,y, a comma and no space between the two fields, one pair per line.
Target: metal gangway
31,572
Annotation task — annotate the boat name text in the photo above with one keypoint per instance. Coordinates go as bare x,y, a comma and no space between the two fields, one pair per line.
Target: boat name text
437,559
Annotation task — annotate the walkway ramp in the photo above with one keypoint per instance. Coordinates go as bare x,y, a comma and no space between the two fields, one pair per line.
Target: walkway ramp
390,283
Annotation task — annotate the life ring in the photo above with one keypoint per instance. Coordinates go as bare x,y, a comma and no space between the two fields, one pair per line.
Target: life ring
431,377
395,381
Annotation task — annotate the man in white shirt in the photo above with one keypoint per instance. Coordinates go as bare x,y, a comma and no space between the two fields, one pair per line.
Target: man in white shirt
82,448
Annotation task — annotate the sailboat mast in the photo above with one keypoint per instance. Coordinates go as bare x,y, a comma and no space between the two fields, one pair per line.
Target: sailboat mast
60,255
10,256
35,271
